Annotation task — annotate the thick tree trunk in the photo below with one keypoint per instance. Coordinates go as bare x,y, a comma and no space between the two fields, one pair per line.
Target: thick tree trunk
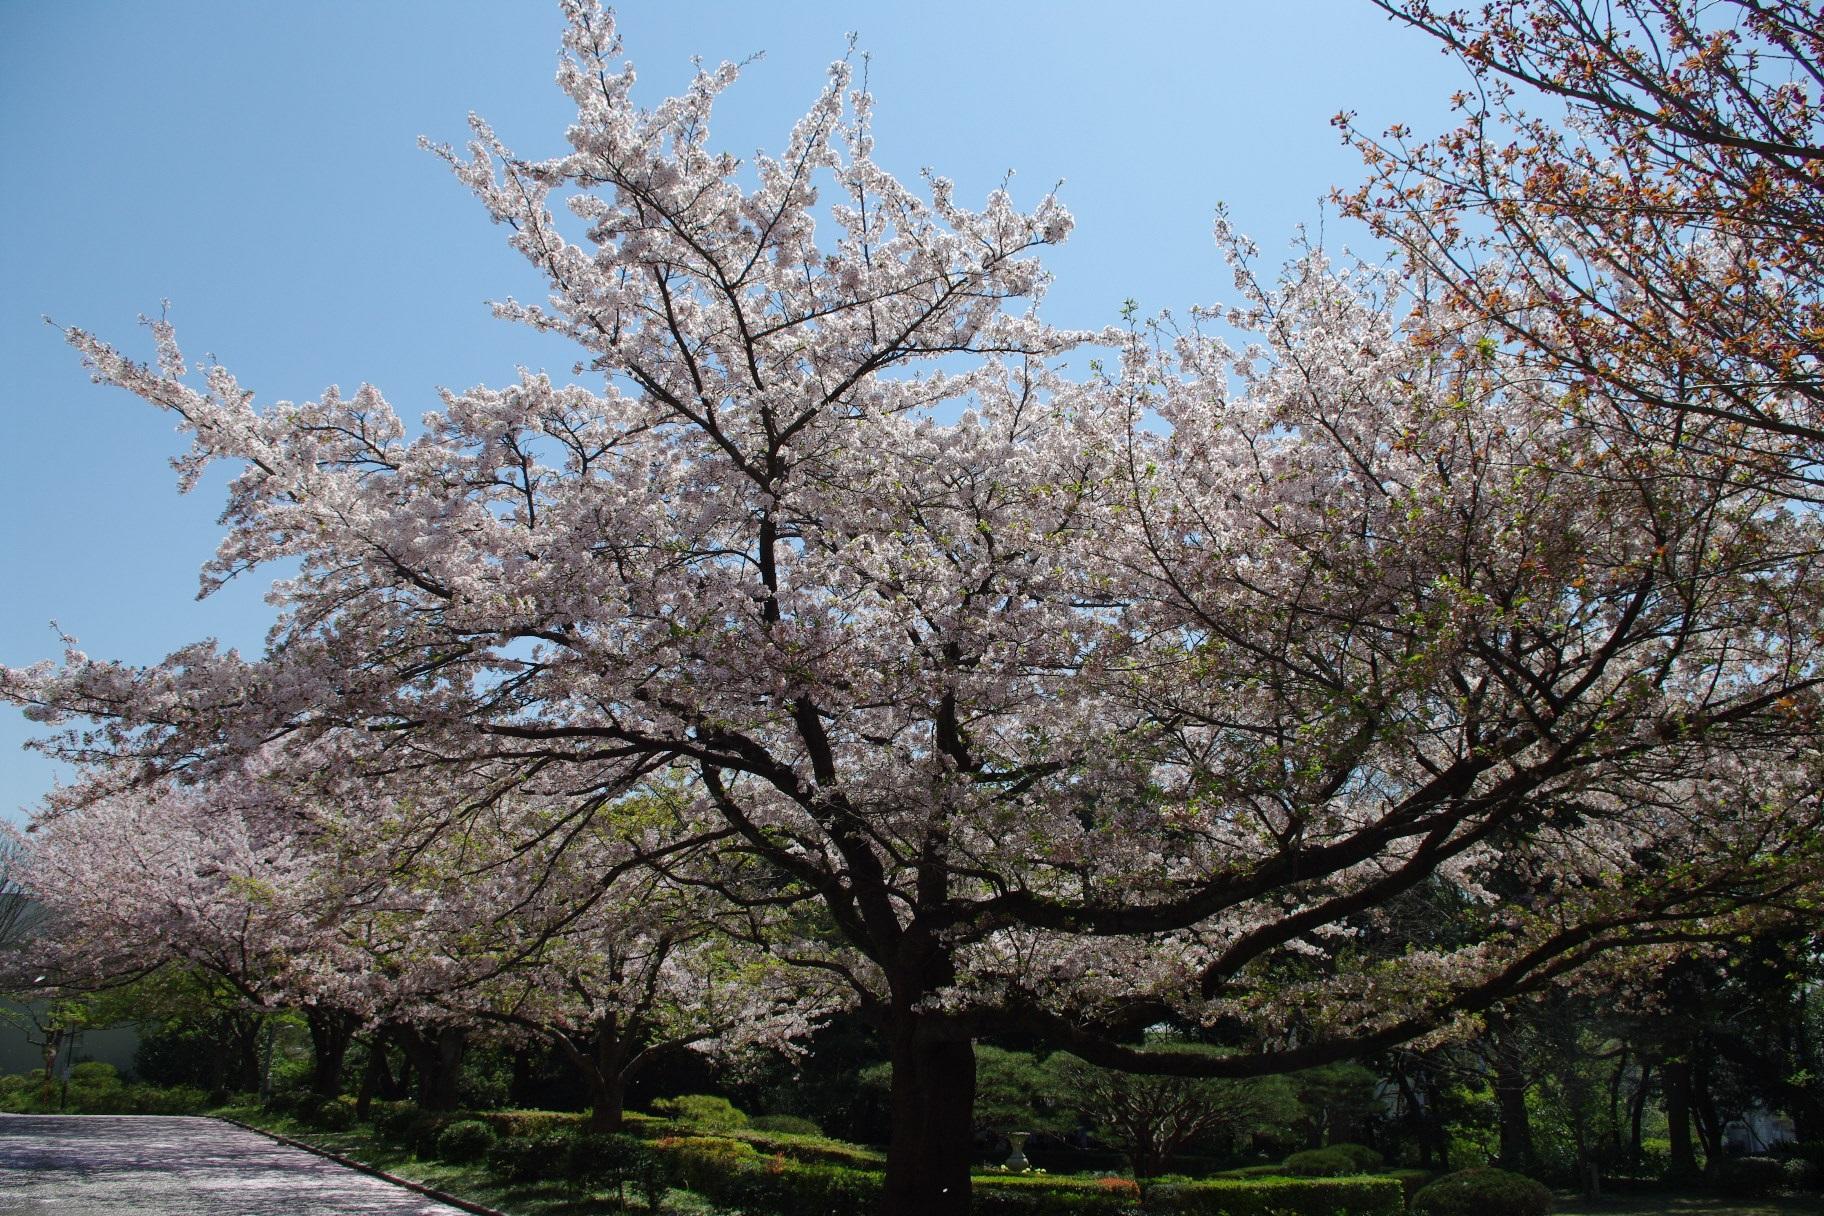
932,1103
607,1099
1510,1104
437,1059
331,1032
603,1062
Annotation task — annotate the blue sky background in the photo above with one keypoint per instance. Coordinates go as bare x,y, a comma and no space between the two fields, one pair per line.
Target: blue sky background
255,164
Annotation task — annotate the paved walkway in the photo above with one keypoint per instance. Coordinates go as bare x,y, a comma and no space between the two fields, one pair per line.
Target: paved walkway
107,1165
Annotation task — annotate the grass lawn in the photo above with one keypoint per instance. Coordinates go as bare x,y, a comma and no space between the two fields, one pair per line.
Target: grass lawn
1573,1204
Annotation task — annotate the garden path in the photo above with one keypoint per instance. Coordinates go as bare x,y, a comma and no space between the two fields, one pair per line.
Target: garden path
132,1165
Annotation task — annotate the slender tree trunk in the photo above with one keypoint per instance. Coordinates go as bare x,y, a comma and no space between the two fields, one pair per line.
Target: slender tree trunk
1616,1078
376,1078
1637,1109
1703,1108
1676,1077
932,1103
331,1031
519,1089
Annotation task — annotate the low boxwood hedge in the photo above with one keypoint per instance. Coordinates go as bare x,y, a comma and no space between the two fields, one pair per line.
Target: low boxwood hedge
731,1173
1358,1196
1022,1195
1323,1163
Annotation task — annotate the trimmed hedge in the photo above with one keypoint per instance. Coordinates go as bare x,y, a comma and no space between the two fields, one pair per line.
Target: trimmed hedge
1365,1159
811,1150
702,1110
1322,1163
1483,1192
1023,1195
529,1158
731,1173
1360,1196
791,1125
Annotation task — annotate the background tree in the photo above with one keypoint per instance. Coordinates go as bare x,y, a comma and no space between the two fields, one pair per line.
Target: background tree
1155,1118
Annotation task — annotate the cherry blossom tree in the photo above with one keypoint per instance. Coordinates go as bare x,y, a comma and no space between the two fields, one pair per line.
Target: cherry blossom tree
203,881
1064,706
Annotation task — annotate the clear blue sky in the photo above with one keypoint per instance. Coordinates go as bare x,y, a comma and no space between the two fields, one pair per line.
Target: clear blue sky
255,164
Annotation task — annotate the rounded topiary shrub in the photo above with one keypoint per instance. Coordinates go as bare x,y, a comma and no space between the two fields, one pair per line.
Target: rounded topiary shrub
1321,1163
1483,1192
465,1141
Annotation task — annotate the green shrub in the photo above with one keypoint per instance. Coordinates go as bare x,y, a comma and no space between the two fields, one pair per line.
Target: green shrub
1483,1191
701,1110
1802,1175
1365,1159
174,1100
1753,1177
393,1121
1321,1163
327,1114
534,1158
408,1127
796,1125
94,1074
510,1123
609,1159
1277,1197
1655,1157
464,1141
700,1163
